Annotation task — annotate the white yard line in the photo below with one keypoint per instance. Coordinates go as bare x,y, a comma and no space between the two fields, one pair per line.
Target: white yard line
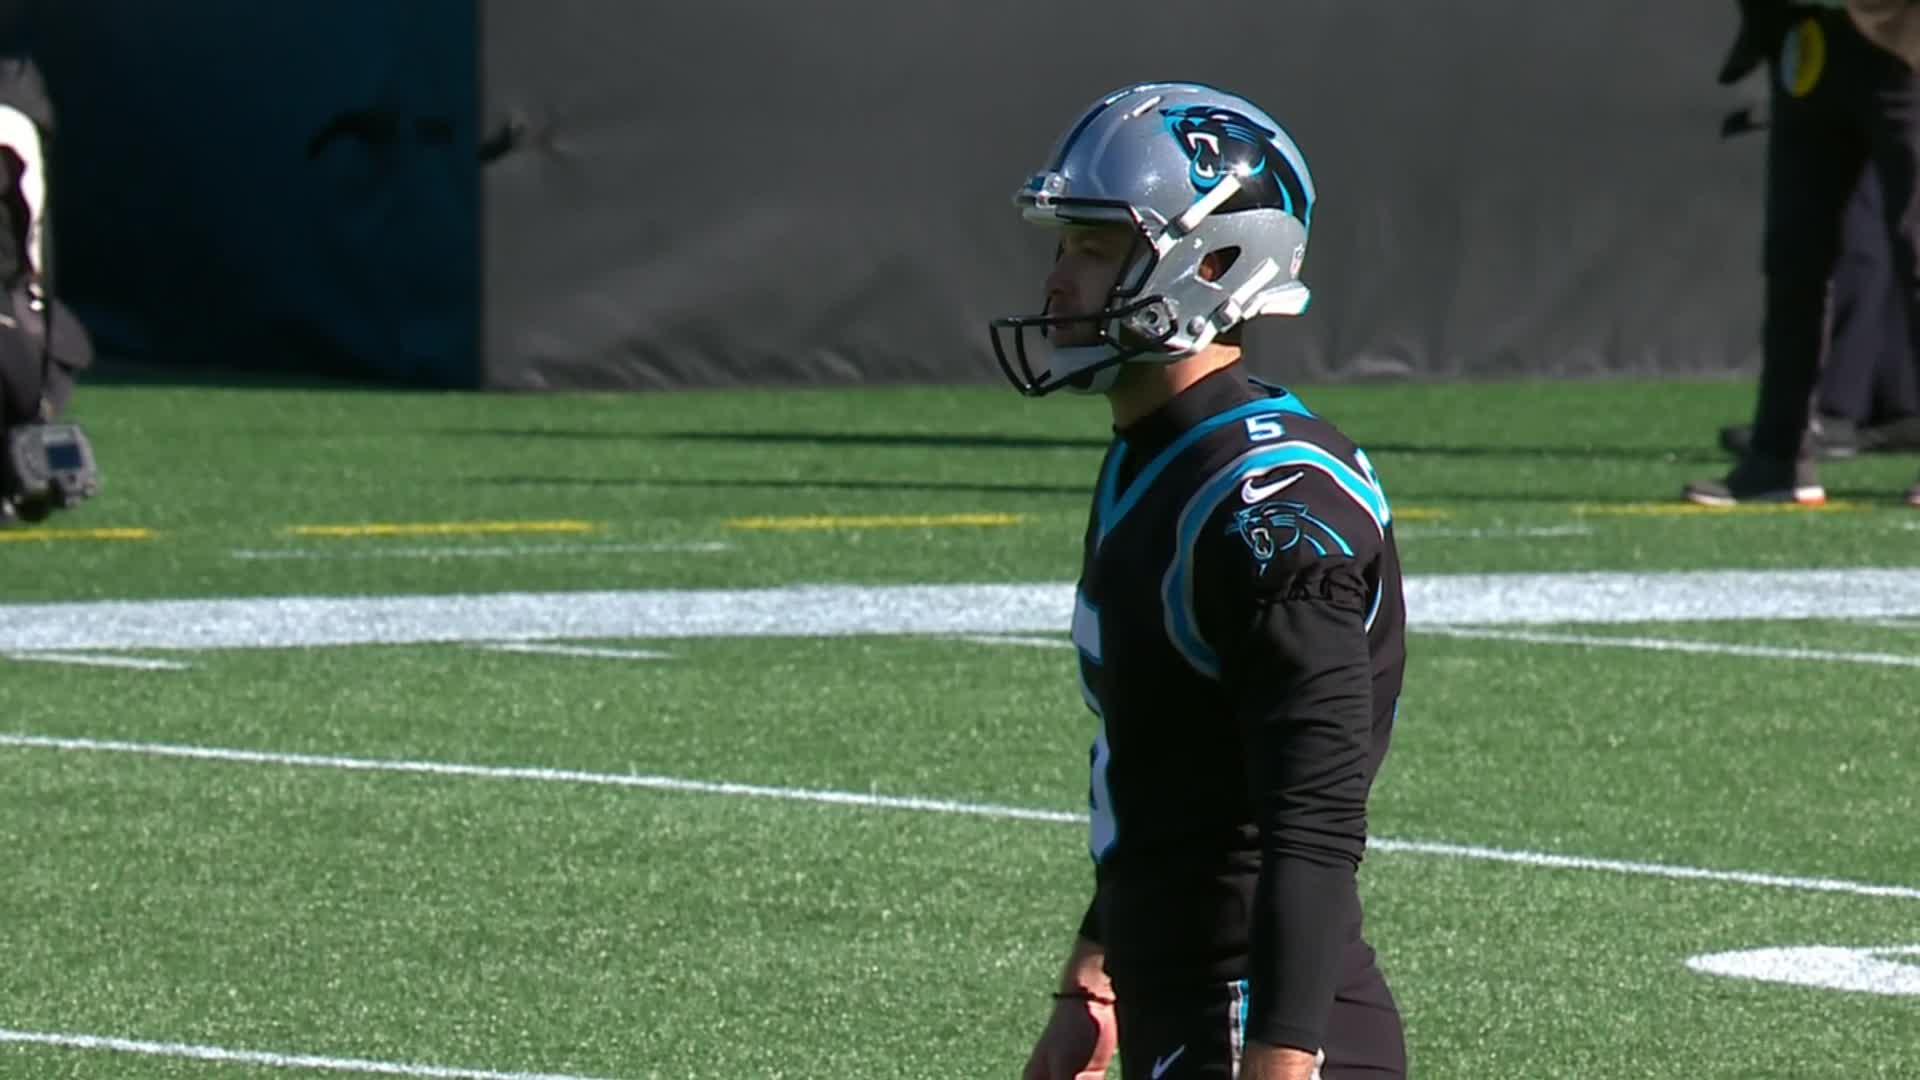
938,806
306,621
106,660
551,776
1643,869
1826,967
540,649
1713,648
834,610
495,552
265,1058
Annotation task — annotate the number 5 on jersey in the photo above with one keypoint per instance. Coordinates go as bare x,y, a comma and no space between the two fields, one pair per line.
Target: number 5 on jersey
1264,428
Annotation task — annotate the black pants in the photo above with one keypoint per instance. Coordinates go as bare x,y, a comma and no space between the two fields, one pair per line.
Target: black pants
21,383
1872,373
1197,1033
1841,106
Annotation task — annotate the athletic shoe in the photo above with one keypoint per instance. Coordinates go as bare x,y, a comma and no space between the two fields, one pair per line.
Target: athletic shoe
1761,480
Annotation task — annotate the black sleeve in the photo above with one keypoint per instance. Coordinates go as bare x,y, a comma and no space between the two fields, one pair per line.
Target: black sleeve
1287,594
1090,923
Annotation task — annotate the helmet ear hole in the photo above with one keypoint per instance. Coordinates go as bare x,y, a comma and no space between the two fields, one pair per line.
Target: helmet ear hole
1217,262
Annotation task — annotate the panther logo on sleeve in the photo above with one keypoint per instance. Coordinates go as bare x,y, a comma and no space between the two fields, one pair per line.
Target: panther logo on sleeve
1278,526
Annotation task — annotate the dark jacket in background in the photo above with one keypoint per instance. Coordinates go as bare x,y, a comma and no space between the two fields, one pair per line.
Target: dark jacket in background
1894,25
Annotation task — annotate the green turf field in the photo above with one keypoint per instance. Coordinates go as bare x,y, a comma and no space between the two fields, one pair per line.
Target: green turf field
391,833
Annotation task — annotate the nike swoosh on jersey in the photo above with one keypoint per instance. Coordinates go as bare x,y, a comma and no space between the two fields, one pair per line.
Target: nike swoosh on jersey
1162,1064
1253,493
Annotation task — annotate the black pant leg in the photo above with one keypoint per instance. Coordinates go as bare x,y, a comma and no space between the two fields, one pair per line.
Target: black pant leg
1896,381
21,387
1892,103
1816,150
1869,320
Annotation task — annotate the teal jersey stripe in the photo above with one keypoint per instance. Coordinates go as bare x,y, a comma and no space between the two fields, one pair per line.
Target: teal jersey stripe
1113,509
1107,494
1351,480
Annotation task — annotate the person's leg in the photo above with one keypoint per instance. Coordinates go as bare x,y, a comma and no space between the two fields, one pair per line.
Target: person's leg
1816,150
1894,390
1863,296
1895,399
1893,118
1813,163
20,389
1867,344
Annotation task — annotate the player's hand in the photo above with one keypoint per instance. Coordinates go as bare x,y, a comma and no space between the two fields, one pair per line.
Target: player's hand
1263,1062
1078,1042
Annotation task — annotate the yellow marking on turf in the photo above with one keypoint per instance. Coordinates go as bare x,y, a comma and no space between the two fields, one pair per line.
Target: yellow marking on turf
875,521
29,535
1419,513
1682,509
444,528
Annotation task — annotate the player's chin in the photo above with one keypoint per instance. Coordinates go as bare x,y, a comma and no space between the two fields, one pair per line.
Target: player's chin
1083,382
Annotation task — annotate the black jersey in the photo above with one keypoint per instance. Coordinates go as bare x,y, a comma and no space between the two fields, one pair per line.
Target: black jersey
1242,639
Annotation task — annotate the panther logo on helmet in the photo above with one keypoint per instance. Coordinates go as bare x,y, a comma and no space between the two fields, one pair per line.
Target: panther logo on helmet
1219,141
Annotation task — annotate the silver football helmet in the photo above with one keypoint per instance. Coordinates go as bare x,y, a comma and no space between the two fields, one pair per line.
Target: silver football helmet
1193,170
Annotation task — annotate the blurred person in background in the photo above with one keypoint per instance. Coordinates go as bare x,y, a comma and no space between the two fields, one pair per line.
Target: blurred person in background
1868,398
1845,100
44,465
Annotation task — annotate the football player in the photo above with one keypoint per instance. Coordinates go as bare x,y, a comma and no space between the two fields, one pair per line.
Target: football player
1238,618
